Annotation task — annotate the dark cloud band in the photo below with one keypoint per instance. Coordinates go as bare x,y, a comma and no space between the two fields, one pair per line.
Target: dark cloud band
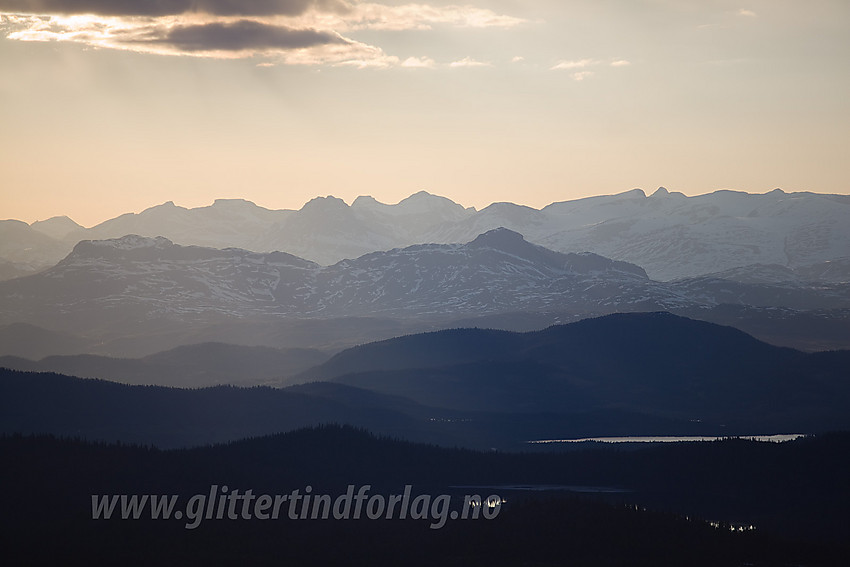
170,7
245,35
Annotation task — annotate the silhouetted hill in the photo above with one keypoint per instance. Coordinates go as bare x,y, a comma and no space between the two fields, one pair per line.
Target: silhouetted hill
173,417
30,341
440,348
198,365
652,363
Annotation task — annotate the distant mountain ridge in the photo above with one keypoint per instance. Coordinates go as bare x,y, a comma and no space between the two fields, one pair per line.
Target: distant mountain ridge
190,366
668,234
138,286
154,277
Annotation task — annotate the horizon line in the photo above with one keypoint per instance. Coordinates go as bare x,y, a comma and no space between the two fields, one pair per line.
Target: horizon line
661,190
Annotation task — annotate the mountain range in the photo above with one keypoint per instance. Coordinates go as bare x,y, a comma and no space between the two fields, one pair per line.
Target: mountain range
122,290
669,234
201,342
508,330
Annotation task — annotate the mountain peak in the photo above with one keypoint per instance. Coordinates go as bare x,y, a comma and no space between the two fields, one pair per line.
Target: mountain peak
367,201
168,209
426,207
422,194
328,203
56,227
234,203
424,199
500,238
57,219
634,193
661,192
515,244
118,246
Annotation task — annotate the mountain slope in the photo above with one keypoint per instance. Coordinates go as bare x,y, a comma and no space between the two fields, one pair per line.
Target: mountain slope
56,227
24,250
29,341
173,417
652,363
194,366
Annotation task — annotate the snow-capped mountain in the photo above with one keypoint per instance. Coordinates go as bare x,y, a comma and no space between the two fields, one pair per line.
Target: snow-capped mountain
140,277
498,271
674,236
135,281
24,250
668,234
226,223
832,271
327,230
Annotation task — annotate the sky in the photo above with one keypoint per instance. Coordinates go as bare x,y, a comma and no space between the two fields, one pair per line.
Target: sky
113,106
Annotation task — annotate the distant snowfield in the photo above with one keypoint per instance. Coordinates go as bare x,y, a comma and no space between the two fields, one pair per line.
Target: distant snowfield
781,438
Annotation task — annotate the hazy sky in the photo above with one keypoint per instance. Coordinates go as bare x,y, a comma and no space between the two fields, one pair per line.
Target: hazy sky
128,104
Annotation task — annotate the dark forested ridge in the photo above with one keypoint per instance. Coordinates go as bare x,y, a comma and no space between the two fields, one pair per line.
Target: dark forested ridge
189,366
651,363
795,493
176,417
173,417
636,374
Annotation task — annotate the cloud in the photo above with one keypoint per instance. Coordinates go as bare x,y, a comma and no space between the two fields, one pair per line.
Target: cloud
419,63
349,54
746,13
422,17
219,39
578,64
518,59
469,62
583,66
170,7
340,14
299,32
245,35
